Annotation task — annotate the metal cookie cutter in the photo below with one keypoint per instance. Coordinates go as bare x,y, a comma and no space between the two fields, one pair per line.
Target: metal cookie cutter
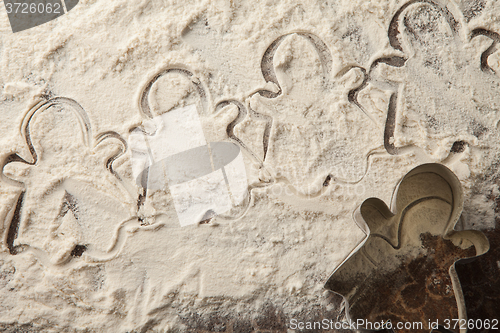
404,270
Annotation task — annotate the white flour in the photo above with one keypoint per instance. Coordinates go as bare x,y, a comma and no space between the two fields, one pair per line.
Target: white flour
312,153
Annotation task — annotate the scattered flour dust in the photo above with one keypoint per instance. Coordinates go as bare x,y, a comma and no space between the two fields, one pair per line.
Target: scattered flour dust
296,85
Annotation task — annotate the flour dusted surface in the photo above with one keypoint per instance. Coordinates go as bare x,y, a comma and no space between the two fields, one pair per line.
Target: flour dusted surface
312,156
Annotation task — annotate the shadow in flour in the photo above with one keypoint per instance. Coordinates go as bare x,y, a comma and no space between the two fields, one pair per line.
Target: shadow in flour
14,225
495,37
101,138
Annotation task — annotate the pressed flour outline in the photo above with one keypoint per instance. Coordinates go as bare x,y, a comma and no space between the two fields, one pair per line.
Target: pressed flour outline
317,122
64,232
204,178
411,29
